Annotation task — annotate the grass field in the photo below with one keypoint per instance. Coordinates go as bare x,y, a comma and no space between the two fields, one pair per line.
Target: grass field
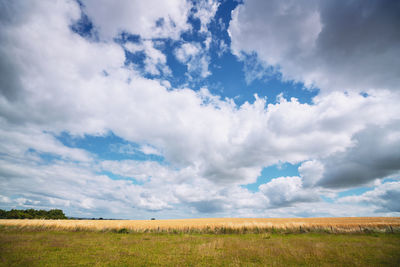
218,225
65,248
201,242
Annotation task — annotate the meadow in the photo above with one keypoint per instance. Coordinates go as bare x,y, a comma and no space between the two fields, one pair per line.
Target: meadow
218,225
201,242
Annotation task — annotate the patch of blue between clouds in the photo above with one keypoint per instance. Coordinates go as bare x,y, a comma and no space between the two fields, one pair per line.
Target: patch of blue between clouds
108,147
114,176
228,80
361,190
228,77
327,199
46,158
274,171
84,26
354,192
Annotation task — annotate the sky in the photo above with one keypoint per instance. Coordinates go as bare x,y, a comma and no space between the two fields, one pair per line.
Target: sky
187,109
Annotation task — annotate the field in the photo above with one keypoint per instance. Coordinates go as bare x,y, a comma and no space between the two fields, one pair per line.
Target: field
201,242
219,225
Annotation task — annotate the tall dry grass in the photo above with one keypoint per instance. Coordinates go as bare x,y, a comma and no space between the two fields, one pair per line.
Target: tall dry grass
217,225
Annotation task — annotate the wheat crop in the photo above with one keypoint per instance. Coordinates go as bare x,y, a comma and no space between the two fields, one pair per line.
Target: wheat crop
217,225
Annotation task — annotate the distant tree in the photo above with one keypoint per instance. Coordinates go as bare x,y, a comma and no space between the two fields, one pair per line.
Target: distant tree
41,214
14,214
56,214
32,214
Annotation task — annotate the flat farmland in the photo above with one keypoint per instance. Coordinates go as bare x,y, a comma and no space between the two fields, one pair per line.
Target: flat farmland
216,225
201,242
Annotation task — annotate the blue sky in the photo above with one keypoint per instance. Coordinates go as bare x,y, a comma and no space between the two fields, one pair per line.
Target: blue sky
186,109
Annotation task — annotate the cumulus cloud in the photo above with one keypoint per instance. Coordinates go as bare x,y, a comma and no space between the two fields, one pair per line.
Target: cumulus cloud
18,142
150,150
149,19
286,191
195,58
71,178
139,170
211,146
155,61
205,12
68,62
206,197
221,141
311,171
324,44
385,197
73,186
375,155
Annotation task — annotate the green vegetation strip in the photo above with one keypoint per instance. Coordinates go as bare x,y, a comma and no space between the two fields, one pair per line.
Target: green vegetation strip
62,248
54,214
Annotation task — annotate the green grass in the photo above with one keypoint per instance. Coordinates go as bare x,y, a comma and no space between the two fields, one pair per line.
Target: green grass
62,248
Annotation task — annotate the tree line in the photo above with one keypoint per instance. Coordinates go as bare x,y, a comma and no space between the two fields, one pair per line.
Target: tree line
32,214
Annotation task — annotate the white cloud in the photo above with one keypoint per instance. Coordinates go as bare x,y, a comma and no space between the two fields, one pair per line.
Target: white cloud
375,155
134,47
206,197
287,191
385,197
141,171
195,58
205,12
68,63
4,199
149,19
311,171
19,141
330,45
150,150
186,51
223,47
75,187
222,141
155,61
130,149
212,146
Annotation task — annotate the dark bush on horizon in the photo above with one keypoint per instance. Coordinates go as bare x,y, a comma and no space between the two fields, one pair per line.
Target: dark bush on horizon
32,214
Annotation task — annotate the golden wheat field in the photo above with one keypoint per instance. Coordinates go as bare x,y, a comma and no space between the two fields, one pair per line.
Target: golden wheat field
348,224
